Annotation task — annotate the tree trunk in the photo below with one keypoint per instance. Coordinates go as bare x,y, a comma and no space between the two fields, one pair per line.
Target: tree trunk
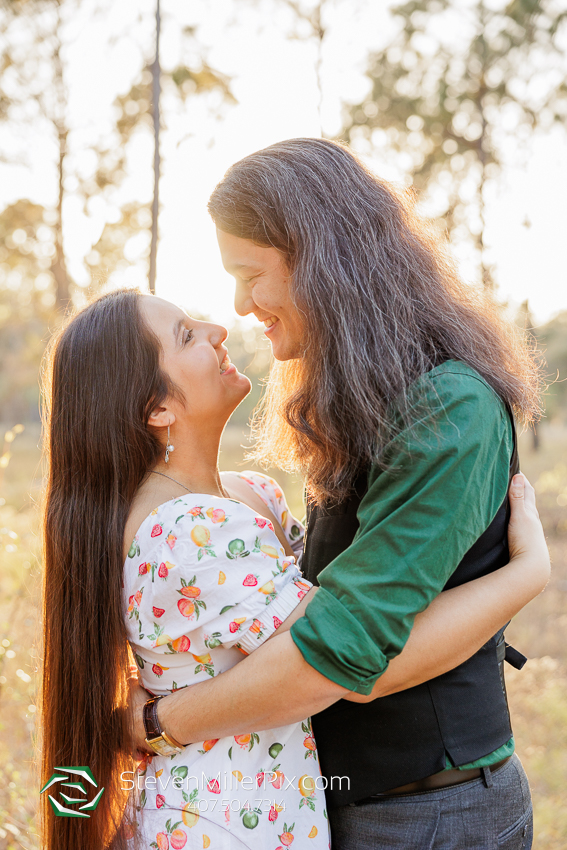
156,88
485,272
59,265
319,31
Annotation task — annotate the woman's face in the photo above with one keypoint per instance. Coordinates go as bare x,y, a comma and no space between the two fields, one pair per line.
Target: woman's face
263,282
196,360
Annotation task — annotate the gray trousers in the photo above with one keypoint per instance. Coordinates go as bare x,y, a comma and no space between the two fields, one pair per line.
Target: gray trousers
493,812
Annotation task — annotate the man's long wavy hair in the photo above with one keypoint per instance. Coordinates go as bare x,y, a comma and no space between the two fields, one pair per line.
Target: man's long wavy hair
102,378
381,303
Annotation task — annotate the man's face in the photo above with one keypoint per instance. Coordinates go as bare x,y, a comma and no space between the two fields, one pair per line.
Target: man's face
263,287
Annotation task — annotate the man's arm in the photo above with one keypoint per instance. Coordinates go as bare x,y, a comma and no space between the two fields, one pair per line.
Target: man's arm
447,477
416,522
255,694
445,635
415,526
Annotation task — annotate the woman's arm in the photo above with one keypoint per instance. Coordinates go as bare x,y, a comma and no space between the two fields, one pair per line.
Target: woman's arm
256,695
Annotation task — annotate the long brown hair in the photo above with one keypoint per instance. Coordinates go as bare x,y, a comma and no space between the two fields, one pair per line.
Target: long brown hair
382,304
101,380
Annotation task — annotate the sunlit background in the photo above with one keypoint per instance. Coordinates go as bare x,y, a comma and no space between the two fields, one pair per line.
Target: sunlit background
259,72
465,101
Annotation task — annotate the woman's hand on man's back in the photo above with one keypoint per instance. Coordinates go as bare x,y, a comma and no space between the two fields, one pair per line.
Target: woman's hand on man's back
525,532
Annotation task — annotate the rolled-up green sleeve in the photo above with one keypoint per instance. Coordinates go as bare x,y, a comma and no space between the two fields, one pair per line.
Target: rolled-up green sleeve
446,478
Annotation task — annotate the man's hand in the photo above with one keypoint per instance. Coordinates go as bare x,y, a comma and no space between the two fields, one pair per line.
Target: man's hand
138,697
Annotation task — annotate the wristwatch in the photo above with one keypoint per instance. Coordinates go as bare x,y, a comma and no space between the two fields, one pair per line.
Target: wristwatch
156,738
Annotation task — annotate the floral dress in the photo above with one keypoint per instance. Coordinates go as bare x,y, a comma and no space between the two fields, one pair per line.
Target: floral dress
206,582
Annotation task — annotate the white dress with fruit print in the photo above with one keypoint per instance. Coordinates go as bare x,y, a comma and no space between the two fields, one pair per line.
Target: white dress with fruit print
206,582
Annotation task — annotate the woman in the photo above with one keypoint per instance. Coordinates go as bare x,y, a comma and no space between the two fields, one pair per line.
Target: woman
392,391
143,542
111,499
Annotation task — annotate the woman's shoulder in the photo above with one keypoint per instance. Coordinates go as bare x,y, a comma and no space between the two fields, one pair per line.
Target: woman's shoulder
203,507
197,517
260,481
266,489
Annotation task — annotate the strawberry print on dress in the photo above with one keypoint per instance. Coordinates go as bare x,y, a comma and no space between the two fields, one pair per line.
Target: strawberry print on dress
206,582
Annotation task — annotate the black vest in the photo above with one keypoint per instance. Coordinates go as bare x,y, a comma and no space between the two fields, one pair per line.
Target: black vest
404,737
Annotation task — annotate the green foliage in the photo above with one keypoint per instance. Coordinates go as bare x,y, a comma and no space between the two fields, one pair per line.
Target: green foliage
34,96
123,242
133,115
458,79
34,70
26,251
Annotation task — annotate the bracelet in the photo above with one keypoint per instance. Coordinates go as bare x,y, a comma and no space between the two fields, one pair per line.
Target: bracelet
158,740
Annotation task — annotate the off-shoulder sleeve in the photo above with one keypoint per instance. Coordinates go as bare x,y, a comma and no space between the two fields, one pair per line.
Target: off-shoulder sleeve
216,575
273,495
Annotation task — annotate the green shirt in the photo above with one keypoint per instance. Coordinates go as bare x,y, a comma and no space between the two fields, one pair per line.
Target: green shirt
446,477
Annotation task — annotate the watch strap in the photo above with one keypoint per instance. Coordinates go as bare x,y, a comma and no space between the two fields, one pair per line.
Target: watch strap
151,722
159,741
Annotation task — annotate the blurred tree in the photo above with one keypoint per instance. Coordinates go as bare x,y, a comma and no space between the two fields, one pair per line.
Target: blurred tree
127,234
310,25
314,22
35,66
27,248
33,91
156,93
458,79
35,285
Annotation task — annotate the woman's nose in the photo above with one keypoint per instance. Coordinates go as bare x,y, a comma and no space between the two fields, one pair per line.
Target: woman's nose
218,334
243,301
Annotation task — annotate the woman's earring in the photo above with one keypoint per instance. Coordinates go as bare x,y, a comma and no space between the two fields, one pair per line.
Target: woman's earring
169,448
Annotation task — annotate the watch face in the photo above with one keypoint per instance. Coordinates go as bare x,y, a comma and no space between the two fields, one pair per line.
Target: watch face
154,743
160,747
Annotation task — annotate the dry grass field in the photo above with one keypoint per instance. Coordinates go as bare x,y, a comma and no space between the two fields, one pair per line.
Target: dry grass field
538,694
